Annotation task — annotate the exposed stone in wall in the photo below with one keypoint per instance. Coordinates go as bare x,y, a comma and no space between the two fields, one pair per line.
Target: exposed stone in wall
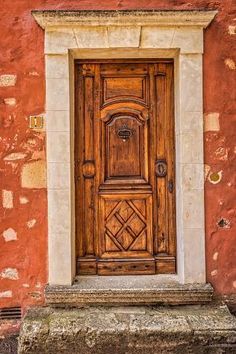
212,122
33,175
9,273
7,199
24,200
230,63
9,235
7,80
31,223
15,156
11,101
6,294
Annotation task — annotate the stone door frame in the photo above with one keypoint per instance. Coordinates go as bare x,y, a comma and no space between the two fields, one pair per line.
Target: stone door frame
71,35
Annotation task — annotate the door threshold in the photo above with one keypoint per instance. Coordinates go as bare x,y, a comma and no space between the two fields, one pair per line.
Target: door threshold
128,290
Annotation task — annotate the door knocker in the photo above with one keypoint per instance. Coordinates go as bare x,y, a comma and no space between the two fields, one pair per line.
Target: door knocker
125,133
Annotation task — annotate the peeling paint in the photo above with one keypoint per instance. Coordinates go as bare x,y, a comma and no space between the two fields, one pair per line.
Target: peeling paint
221,153
232,30
234,283
34,175
207,169
23,200
7,293
33,73
31,223
7,199
11,101
214,273
25,285
7,80
15,156
10,235
9,273
215,256
230,63
211,122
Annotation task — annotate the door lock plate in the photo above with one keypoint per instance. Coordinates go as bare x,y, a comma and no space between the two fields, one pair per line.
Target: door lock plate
161,168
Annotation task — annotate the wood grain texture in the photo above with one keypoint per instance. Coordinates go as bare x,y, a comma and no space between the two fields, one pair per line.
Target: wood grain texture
125,209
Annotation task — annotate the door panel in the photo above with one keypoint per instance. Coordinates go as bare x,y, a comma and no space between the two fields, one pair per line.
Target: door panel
124,167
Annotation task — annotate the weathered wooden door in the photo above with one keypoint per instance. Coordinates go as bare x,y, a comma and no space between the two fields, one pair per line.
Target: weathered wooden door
124,167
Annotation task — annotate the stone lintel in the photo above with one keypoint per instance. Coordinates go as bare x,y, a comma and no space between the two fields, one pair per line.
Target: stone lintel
52,18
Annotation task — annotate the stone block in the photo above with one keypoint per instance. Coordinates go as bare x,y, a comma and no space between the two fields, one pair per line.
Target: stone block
58,94
99,330
149,290
58,175
123,36
59,41
157,37
60,271
190,41
194,247
91,37
192,176
33,175
193,217
59,212
58,121
191,82
191,147
57,67
58,146
191,121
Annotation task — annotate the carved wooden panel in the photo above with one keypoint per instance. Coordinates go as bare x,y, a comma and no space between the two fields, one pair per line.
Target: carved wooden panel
124,167
118,88
125,225
124,147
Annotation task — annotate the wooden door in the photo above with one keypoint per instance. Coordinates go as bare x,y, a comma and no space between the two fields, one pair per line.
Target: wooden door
124,167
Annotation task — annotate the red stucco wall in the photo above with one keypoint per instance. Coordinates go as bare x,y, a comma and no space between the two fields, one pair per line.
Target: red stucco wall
23,211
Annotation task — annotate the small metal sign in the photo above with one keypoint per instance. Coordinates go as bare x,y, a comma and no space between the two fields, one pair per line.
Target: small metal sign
36,122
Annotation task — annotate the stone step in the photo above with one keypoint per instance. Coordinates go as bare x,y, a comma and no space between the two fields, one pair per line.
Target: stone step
200,329
128,290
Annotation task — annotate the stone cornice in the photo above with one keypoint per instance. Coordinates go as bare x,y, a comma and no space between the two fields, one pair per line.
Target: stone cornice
55,18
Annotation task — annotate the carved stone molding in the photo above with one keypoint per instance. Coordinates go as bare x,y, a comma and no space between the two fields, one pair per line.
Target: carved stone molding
51,18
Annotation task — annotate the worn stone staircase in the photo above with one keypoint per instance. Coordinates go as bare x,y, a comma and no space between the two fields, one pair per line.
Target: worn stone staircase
128,318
